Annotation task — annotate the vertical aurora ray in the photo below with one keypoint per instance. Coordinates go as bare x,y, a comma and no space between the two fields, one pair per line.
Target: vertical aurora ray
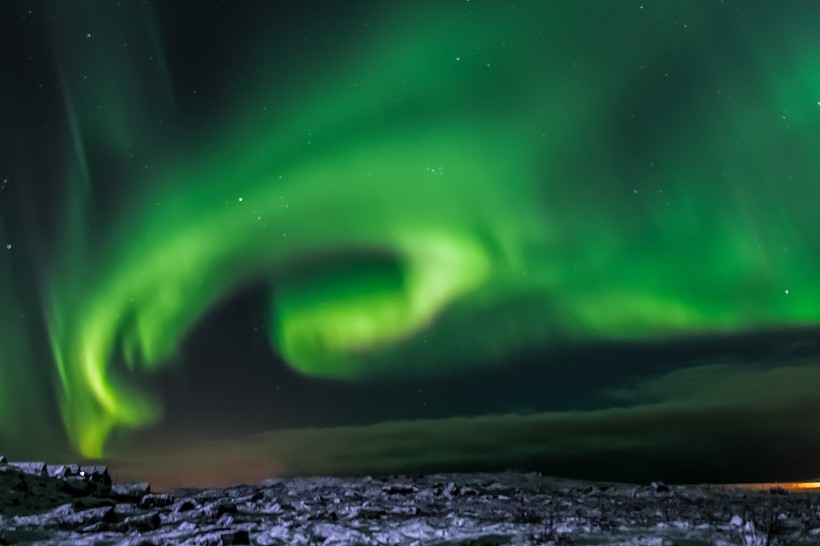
454,171
15,346
25,408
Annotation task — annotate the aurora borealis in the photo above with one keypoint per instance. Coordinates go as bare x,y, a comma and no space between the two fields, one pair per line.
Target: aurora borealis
343,223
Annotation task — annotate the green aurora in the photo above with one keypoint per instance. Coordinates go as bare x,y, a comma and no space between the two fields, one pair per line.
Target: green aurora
461,181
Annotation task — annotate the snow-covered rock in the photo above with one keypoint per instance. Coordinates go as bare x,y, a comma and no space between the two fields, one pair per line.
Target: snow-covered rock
59,505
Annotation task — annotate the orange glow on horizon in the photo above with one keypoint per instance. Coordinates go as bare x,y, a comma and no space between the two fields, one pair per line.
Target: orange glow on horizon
808,486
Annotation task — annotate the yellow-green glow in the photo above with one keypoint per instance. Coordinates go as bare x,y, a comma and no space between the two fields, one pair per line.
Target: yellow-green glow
327,325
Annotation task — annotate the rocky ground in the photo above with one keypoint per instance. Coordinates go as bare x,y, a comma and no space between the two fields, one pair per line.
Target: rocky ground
42,504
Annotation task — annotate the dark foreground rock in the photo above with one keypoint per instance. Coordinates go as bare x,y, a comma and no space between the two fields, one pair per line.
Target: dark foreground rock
75,507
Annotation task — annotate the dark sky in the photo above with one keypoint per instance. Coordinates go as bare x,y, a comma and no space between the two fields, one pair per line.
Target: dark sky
327,237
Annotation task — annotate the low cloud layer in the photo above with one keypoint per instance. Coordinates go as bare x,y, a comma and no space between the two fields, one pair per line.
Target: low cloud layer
725,423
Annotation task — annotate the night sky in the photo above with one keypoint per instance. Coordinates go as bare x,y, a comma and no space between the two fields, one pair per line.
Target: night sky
243,239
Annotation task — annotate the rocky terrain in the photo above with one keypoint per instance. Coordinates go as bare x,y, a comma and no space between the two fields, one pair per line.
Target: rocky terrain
71,504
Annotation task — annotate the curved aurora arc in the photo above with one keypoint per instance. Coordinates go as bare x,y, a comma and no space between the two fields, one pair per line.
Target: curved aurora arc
432,181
